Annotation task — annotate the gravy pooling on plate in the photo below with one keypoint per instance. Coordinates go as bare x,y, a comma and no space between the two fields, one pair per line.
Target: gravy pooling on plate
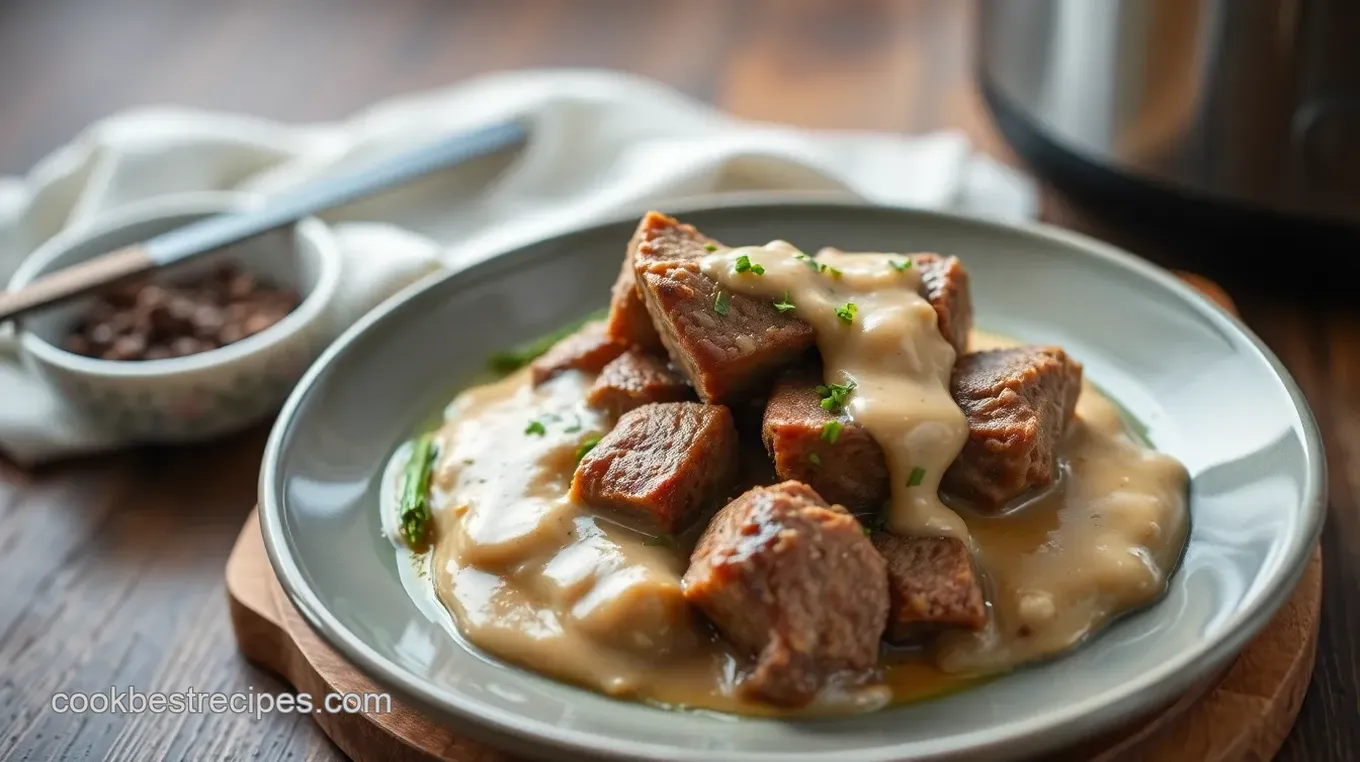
540,580
1102,543
534,575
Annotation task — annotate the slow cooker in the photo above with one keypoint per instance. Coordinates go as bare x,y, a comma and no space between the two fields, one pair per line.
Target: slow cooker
1232,109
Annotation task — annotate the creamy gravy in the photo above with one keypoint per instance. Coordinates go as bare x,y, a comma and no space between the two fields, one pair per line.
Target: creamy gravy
527,573
540,581
1101,543
890,349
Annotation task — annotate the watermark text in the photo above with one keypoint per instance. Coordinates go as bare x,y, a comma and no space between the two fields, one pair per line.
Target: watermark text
132,701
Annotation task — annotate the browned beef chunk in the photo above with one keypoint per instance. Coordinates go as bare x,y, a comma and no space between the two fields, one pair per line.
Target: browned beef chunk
634,379
726,351
932,586
851,472
628,320
589,350
661,463
729,355
793,580
1018,402
660,238
945,286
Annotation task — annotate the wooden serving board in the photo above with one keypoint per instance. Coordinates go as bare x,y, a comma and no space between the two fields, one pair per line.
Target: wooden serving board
1242,714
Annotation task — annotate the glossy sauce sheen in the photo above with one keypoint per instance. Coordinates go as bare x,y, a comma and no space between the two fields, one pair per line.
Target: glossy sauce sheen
892,351
1101,543
545,583
536,579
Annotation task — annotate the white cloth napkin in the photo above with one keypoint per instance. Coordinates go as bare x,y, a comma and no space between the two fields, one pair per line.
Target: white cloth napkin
600,143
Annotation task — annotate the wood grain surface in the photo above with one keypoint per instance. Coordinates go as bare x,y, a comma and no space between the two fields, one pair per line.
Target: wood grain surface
111,567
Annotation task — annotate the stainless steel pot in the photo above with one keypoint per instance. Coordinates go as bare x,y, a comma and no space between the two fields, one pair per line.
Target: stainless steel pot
1250,103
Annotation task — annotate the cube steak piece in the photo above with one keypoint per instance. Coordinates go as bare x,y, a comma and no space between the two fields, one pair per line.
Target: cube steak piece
851,472
588,350
944,283
634,379
932,586
725,356
793,580
1018,402
628,321
663,463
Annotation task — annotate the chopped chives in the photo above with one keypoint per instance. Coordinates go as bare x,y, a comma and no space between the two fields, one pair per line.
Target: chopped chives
517,357
415,493
831,431
873,523
834,395
586,446
744,266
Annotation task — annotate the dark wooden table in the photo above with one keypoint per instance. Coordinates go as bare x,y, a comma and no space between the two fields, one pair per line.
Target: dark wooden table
111,567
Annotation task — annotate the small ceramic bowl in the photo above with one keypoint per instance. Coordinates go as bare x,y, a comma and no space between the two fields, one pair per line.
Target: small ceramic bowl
198,396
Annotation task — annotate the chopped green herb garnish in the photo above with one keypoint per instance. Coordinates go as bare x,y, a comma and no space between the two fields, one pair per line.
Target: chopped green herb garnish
834,395
710,247
517,357
744,266
917,474
415,493
900,265
874,522
785,305
817,266
814,459
831,431
847,313
662,541
587,445
535,427
721,301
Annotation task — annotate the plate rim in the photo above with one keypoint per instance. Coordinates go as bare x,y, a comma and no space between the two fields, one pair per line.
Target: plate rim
1058,728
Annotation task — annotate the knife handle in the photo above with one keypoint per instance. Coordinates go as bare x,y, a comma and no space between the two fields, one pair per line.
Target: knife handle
221,230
